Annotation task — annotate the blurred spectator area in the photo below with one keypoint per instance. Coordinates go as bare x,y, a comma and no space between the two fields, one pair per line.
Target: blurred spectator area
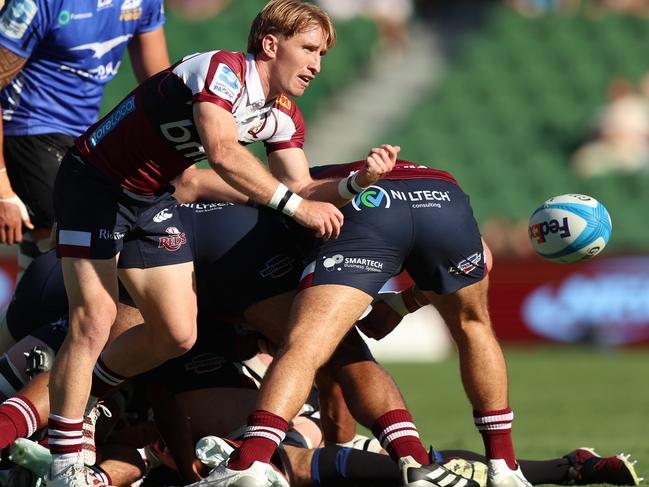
521,94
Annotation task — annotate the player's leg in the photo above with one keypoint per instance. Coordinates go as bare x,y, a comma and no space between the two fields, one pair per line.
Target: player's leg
166,299
91,286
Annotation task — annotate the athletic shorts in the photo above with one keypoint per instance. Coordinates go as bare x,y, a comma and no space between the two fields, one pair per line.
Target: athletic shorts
242,255
40,298
95,217
425,226
213,362
32,163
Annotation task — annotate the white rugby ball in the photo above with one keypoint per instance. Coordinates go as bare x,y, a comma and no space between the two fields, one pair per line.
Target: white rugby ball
569,228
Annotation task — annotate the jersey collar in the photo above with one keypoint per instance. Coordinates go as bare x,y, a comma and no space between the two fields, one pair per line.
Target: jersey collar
256,95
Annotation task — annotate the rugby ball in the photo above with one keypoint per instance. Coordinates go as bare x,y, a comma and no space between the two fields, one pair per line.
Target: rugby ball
569,228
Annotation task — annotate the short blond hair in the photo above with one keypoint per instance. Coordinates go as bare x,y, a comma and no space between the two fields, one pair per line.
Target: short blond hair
288,17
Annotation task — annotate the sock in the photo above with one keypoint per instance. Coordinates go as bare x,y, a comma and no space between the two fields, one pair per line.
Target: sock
18,419
102,477
65,439
398,435
104,380
335,466
264,432
496,430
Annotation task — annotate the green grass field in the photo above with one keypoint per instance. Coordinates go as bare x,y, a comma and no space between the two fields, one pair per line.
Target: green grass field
562,398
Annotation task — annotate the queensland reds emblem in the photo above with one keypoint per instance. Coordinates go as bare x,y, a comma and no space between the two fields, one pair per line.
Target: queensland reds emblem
174,240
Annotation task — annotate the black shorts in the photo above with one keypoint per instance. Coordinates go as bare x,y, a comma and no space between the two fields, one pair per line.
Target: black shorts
95,217
242,255
423,225
32,163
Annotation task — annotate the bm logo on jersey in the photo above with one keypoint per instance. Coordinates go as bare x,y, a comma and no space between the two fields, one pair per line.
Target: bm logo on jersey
372,197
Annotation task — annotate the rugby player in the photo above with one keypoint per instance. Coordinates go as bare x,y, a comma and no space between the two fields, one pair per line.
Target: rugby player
207,375
51,53
417,219
114,187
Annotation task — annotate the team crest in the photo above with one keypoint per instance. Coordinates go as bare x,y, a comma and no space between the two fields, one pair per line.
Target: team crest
284,101
173,241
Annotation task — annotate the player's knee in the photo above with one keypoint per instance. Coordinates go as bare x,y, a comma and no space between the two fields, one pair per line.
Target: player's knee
90,328
179,341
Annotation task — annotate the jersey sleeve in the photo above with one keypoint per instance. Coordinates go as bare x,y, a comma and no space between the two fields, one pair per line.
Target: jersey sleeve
224,80
153,16
23,25
291,129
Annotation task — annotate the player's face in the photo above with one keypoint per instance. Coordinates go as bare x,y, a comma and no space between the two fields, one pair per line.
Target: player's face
298,60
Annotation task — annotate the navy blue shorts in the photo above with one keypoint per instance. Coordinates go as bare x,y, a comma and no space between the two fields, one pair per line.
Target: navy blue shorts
95,217
242,255
214,361
40,298
425,226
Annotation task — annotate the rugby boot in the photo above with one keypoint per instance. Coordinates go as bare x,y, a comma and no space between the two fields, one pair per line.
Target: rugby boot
259,474
31,455
587,467
433,475
212,450
88,449
76,475
469,469
500,475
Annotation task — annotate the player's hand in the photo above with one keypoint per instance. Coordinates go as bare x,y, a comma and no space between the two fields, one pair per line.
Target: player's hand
379,162
13,215
322,217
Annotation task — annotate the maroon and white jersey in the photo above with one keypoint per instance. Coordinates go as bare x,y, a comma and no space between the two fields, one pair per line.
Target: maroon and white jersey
402,170
150,137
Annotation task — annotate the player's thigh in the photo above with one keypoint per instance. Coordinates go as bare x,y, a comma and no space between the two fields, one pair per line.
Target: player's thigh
447,253
464,306
270,316
320,318
164,295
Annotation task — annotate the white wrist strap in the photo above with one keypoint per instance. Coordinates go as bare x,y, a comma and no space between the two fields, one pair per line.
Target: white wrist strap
291,205
348,187
285,200
278,195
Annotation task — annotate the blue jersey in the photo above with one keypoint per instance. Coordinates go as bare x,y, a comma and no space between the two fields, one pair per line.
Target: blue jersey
73,48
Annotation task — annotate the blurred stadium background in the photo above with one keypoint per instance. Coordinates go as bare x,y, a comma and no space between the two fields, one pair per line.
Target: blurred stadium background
521,100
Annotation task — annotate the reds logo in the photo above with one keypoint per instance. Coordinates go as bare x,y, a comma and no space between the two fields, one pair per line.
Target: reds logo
173,241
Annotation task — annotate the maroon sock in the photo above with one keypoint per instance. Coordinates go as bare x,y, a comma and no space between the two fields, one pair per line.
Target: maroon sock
104,380
18,419
398,435
65,435
264,432
496,430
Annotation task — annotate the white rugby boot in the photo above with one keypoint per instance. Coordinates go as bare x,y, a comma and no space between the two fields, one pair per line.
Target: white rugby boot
500,475
433,475
76,475
212,450
259,474
88,449
31,455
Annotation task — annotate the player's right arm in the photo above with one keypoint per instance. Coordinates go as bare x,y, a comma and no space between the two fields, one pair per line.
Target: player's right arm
12,210
241,169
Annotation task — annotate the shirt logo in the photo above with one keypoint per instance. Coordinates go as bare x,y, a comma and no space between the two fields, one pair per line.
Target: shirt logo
17,17
131,10
225,83
102,48
173,241
372,197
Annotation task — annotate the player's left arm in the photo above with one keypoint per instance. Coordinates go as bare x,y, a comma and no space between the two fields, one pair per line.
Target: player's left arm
148,52
291,167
